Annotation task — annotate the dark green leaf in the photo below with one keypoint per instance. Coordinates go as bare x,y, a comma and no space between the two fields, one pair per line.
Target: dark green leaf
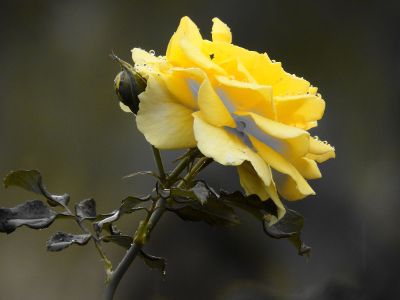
200,192
214,212
290,225
302,248
112,229
124,241
31,180
252,204
131,204
86,209
27,179
98,226
62,240
154,262
128,205
34,214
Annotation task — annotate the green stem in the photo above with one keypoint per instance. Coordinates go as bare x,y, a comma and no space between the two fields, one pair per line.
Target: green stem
197,167
189,156
159,163
156,212
134,250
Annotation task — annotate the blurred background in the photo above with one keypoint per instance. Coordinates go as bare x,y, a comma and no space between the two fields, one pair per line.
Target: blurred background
59,114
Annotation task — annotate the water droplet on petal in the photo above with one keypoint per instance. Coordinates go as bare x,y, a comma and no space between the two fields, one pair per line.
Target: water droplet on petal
152,52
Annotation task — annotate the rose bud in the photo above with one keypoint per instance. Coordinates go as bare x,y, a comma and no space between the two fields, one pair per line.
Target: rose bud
128,86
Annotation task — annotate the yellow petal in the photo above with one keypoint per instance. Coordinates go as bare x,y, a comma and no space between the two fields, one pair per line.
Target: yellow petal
186,30
166,124
280,164
212,108
288,188
312,90
125,108
251,182
299,109
231,64
290,84
184,48
307,125
290,142
140,56
245,96
261,68
254,185
221,32
184,84
224,147
196,58
145,62
227,149
320,151
308,168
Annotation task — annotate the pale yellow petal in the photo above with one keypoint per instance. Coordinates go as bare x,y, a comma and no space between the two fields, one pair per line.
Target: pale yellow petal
146,63
290,84
165,123
320,151
280,164
184,84
186,30
288,188
308,168
221,32
185,48
313,90
124,108
227,149
253,184
212,108
299,109
262,69
224,147
246,96
196,58
141,57
289,141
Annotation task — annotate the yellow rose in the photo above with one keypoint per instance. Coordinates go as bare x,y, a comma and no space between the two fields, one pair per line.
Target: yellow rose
237,106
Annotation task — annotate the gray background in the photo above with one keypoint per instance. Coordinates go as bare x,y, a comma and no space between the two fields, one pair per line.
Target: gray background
59,114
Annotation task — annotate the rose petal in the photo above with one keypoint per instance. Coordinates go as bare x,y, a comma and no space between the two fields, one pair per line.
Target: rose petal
145,62
320,151
280,164
221,32
166,124
184,48
299,110
289,141
227,149
308,168
184,83
245,96
212,108
254,185
290,84
261,68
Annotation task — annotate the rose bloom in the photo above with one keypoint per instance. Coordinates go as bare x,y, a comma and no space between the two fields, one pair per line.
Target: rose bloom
239,108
